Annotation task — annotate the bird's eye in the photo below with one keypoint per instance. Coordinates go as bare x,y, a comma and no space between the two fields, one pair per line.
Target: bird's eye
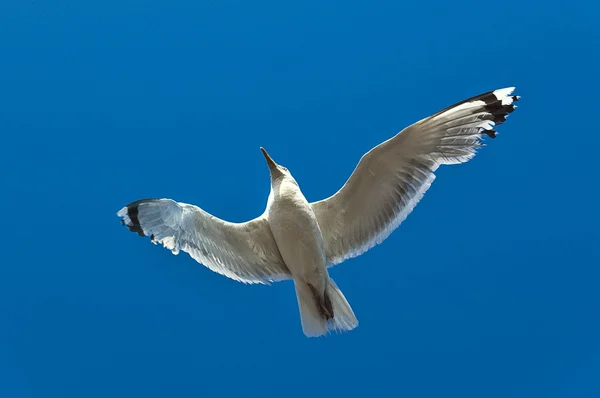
284,168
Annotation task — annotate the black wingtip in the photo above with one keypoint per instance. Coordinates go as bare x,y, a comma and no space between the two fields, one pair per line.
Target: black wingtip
491,133
132,213
499,104
134,226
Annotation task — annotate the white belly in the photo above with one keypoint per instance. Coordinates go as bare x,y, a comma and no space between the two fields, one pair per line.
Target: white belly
298,236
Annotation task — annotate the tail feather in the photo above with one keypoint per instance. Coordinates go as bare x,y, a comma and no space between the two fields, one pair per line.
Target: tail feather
314,323
343,316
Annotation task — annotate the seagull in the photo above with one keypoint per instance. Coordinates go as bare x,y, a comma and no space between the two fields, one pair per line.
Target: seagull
299,240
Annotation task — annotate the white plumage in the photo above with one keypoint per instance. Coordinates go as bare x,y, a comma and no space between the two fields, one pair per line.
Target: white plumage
298,240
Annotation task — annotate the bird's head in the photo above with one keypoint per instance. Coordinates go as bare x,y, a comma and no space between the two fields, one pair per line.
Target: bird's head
277,171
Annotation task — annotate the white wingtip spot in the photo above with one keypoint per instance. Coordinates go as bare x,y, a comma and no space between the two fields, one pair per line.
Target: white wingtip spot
503,94
125,220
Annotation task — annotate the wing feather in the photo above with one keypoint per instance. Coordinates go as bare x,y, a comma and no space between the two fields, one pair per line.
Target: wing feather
391,178
245,252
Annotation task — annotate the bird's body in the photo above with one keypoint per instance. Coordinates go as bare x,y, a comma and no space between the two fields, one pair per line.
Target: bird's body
296,239
297,234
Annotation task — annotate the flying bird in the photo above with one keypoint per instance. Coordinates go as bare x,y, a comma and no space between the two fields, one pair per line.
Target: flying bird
299,240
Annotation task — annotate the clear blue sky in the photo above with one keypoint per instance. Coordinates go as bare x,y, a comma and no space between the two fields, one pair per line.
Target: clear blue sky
489,289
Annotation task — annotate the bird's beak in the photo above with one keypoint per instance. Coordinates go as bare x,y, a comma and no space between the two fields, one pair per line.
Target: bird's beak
270,162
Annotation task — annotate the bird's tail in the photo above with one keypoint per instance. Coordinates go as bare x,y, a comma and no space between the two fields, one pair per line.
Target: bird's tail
314,323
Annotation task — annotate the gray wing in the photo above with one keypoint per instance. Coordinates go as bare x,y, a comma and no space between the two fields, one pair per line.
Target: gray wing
391,178
245,252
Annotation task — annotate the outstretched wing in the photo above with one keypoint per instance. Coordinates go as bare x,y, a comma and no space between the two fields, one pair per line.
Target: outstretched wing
391,178
245,252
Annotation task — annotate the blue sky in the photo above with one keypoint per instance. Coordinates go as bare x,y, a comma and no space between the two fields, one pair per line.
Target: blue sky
488,289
